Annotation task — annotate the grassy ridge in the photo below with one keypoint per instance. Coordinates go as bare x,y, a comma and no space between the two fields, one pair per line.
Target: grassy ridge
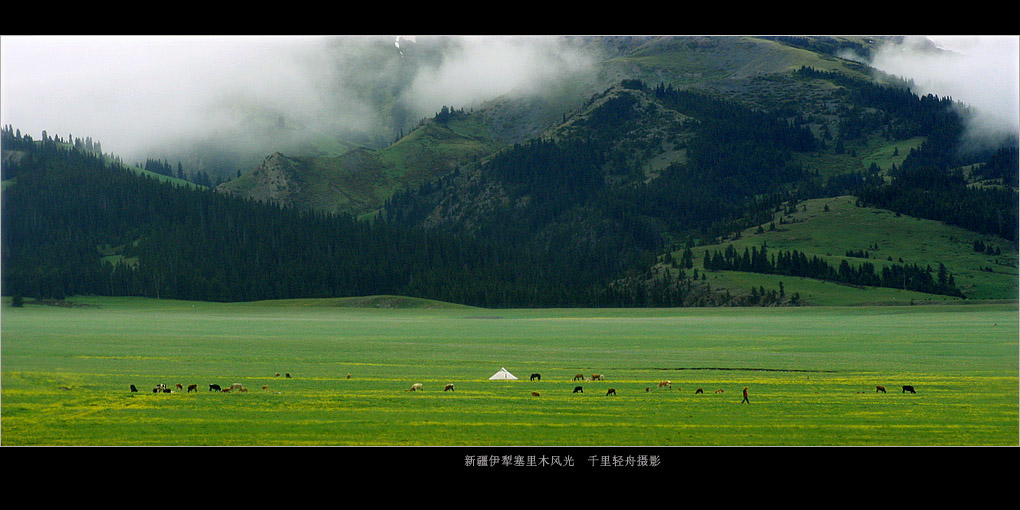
811,374
830,234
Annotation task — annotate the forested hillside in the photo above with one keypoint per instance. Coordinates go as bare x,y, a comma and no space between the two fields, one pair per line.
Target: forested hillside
68,208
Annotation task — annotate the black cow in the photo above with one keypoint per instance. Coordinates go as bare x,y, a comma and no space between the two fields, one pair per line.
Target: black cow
214,387
578,390
612,391
133,389
908,388
536,376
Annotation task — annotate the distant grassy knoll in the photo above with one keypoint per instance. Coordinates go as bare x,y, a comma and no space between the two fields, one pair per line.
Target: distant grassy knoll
811,374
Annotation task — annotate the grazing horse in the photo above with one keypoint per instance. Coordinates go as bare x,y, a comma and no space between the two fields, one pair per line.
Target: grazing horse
879,388
612,391
214,387
665,384
133,389
449,387
578,377
536,376
192,387
699,390
577,389
908,388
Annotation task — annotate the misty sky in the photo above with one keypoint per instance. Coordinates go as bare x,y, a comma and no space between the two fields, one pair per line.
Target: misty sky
130,92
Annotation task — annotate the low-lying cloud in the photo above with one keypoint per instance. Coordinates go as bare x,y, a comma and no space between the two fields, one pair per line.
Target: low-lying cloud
980,72
257,93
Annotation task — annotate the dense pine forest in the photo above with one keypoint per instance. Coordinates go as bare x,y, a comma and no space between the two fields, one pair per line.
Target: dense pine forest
176,242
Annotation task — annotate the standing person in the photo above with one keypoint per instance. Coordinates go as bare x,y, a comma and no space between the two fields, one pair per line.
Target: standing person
745,397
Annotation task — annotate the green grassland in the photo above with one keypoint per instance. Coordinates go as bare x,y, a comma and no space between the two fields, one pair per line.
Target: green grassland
829,234
811,374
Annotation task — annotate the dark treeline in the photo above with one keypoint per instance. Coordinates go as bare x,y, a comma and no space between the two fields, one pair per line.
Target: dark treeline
900,112
163,167
181,243
945,196
1004,164
795,263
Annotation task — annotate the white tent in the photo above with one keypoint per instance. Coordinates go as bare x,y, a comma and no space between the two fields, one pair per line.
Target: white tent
502,375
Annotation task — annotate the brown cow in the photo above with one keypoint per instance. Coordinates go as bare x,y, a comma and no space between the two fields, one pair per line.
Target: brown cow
665,383
612,391
879,388
718,391
348,376
180,386
535,394
597,377
578,377
449,387
192,387
699,390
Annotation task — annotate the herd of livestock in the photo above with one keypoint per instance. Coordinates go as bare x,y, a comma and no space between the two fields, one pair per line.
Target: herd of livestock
238,387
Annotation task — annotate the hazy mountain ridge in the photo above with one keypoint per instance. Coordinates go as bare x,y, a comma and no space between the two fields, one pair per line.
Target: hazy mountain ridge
735,67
